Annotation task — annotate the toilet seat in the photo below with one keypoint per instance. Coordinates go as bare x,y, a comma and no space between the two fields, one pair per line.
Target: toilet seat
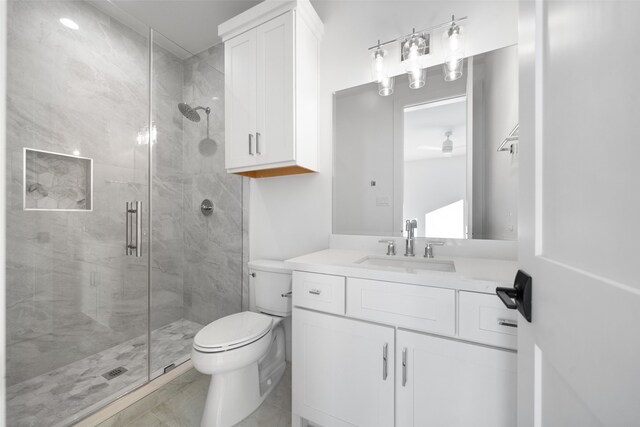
233,331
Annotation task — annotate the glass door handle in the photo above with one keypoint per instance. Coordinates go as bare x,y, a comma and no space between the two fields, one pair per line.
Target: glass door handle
131,245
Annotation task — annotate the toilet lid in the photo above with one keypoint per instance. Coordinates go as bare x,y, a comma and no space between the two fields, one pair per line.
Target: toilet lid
233,331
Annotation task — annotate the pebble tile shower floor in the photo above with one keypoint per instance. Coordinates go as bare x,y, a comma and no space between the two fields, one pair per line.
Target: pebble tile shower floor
66,394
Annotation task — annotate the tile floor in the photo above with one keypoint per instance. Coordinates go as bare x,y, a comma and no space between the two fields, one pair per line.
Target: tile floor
66,394
180,403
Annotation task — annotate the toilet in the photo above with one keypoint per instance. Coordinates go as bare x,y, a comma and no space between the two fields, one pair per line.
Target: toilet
245,352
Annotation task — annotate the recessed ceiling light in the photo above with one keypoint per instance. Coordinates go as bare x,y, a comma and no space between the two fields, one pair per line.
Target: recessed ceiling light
69,23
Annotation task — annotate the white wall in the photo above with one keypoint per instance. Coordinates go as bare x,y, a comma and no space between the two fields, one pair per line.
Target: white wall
430,184
292,215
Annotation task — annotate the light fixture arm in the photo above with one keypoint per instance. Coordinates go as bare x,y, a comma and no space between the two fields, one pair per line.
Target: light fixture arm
426,30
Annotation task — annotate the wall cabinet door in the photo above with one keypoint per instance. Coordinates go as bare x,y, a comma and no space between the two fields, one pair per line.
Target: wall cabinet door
339,377
442,382
240,95
275,96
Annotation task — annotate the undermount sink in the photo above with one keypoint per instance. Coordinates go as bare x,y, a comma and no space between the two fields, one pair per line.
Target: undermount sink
408,263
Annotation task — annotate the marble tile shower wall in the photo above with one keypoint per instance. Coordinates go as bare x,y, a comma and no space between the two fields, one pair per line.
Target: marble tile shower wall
167,187
70,291
213,245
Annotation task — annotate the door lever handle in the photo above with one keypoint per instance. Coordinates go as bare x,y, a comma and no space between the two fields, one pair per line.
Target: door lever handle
505,294
518,297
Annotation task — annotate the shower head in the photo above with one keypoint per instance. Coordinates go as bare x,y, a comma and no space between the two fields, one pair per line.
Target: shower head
192,113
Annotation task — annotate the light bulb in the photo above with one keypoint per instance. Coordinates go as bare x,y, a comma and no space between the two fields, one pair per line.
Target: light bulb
379,68
454,42
413,53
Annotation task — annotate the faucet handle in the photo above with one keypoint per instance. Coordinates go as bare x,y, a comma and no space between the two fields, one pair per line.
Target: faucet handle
391,245
428,250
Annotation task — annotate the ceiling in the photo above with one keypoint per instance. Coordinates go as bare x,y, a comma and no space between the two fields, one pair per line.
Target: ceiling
425,126
192,24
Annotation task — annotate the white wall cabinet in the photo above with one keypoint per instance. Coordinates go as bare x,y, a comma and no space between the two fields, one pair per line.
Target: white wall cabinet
271,89
344,372
444,382
340,375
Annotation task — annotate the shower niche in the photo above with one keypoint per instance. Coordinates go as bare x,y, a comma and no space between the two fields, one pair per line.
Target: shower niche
57,182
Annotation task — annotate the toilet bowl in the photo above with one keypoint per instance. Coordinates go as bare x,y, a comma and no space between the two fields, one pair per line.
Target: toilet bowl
245,352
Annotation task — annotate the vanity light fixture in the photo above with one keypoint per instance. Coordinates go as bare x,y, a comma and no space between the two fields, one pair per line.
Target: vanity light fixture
413,49
453,44
380,72
447,144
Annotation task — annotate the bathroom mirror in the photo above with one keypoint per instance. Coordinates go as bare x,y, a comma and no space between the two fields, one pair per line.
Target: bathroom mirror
444,155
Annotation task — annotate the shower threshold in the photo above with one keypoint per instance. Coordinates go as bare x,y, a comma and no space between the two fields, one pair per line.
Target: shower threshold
67,394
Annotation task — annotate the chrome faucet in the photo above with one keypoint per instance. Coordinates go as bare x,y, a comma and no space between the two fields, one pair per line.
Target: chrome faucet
410,226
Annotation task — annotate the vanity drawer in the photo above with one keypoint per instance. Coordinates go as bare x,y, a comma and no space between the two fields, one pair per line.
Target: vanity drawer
485,319
320,292
420,308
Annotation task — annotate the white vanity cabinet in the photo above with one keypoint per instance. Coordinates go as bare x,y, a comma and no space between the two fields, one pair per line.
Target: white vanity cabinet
271,89
445,382
343,374
375,353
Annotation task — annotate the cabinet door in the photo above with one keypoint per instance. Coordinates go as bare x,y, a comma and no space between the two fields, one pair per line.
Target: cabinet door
452,383
339,377
275,114
240,97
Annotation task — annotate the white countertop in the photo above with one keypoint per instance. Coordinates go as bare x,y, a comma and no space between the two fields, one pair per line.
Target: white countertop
472,274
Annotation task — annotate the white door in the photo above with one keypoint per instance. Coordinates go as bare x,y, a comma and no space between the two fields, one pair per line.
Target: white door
579,359
240,95
447,383
339,374
275,115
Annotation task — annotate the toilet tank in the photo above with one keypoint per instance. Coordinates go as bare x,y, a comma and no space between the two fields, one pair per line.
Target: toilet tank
269,280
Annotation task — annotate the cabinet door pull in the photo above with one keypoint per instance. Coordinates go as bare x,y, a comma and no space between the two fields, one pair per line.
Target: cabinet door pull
258,143
385,350
404,367
508,322
251,144
315,291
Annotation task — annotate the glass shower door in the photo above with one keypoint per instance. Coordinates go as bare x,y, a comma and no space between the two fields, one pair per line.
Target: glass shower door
78,151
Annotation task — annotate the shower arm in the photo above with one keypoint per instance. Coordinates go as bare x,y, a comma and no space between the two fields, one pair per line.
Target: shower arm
206,110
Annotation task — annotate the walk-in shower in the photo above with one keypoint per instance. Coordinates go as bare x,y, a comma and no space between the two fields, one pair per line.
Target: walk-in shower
87,318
